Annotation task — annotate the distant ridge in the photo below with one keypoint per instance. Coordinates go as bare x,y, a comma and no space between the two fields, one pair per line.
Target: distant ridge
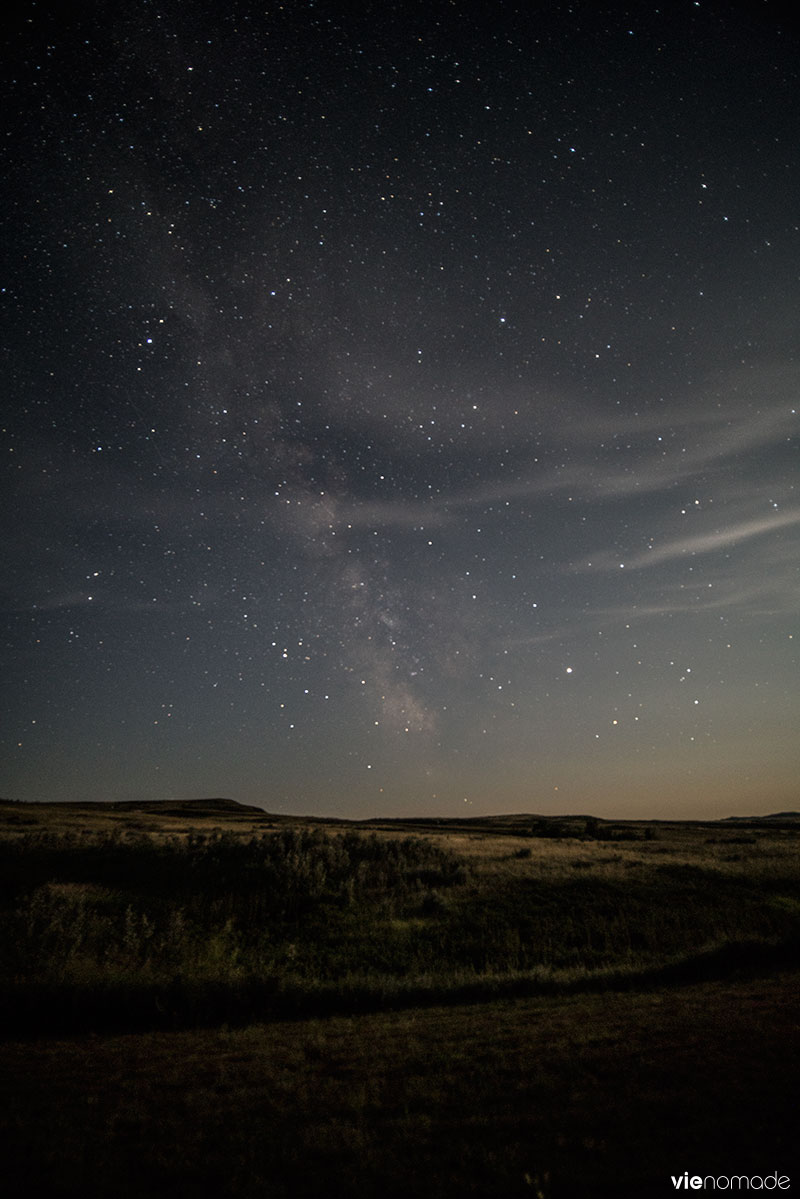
201,807
513,824
175,807
774,816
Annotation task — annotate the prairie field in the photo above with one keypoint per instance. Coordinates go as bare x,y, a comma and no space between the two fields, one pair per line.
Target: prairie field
202,998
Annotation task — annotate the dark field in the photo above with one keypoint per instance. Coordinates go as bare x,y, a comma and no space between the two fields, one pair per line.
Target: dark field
203,999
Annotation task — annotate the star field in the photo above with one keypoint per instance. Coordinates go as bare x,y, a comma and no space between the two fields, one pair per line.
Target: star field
401,407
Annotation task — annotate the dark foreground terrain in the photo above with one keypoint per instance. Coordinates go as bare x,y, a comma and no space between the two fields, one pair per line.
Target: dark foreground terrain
207,1000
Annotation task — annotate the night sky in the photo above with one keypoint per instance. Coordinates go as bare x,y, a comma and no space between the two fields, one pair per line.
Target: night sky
400,406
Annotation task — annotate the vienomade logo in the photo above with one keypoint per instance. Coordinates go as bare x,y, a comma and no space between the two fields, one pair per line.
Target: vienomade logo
731,1182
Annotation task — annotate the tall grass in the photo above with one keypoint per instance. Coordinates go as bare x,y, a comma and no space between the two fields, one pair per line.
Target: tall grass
205,927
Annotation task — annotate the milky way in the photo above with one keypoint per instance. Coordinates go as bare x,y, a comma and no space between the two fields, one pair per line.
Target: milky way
400,407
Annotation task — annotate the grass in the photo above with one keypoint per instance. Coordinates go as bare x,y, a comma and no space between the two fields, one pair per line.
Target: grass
230,1004
128,928
579,1096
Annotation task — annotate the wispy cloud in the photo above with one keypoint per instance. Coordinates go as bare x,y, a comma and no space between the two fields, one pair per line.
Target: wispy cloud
695,544
579,450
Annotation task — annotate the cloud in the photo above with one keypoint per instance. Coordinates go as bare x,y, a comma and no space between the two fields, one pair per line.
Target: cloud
695,544
563,447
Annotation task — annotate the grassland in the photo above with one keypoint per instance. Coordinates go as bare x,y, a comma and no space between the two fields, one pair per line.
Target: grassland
204,999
